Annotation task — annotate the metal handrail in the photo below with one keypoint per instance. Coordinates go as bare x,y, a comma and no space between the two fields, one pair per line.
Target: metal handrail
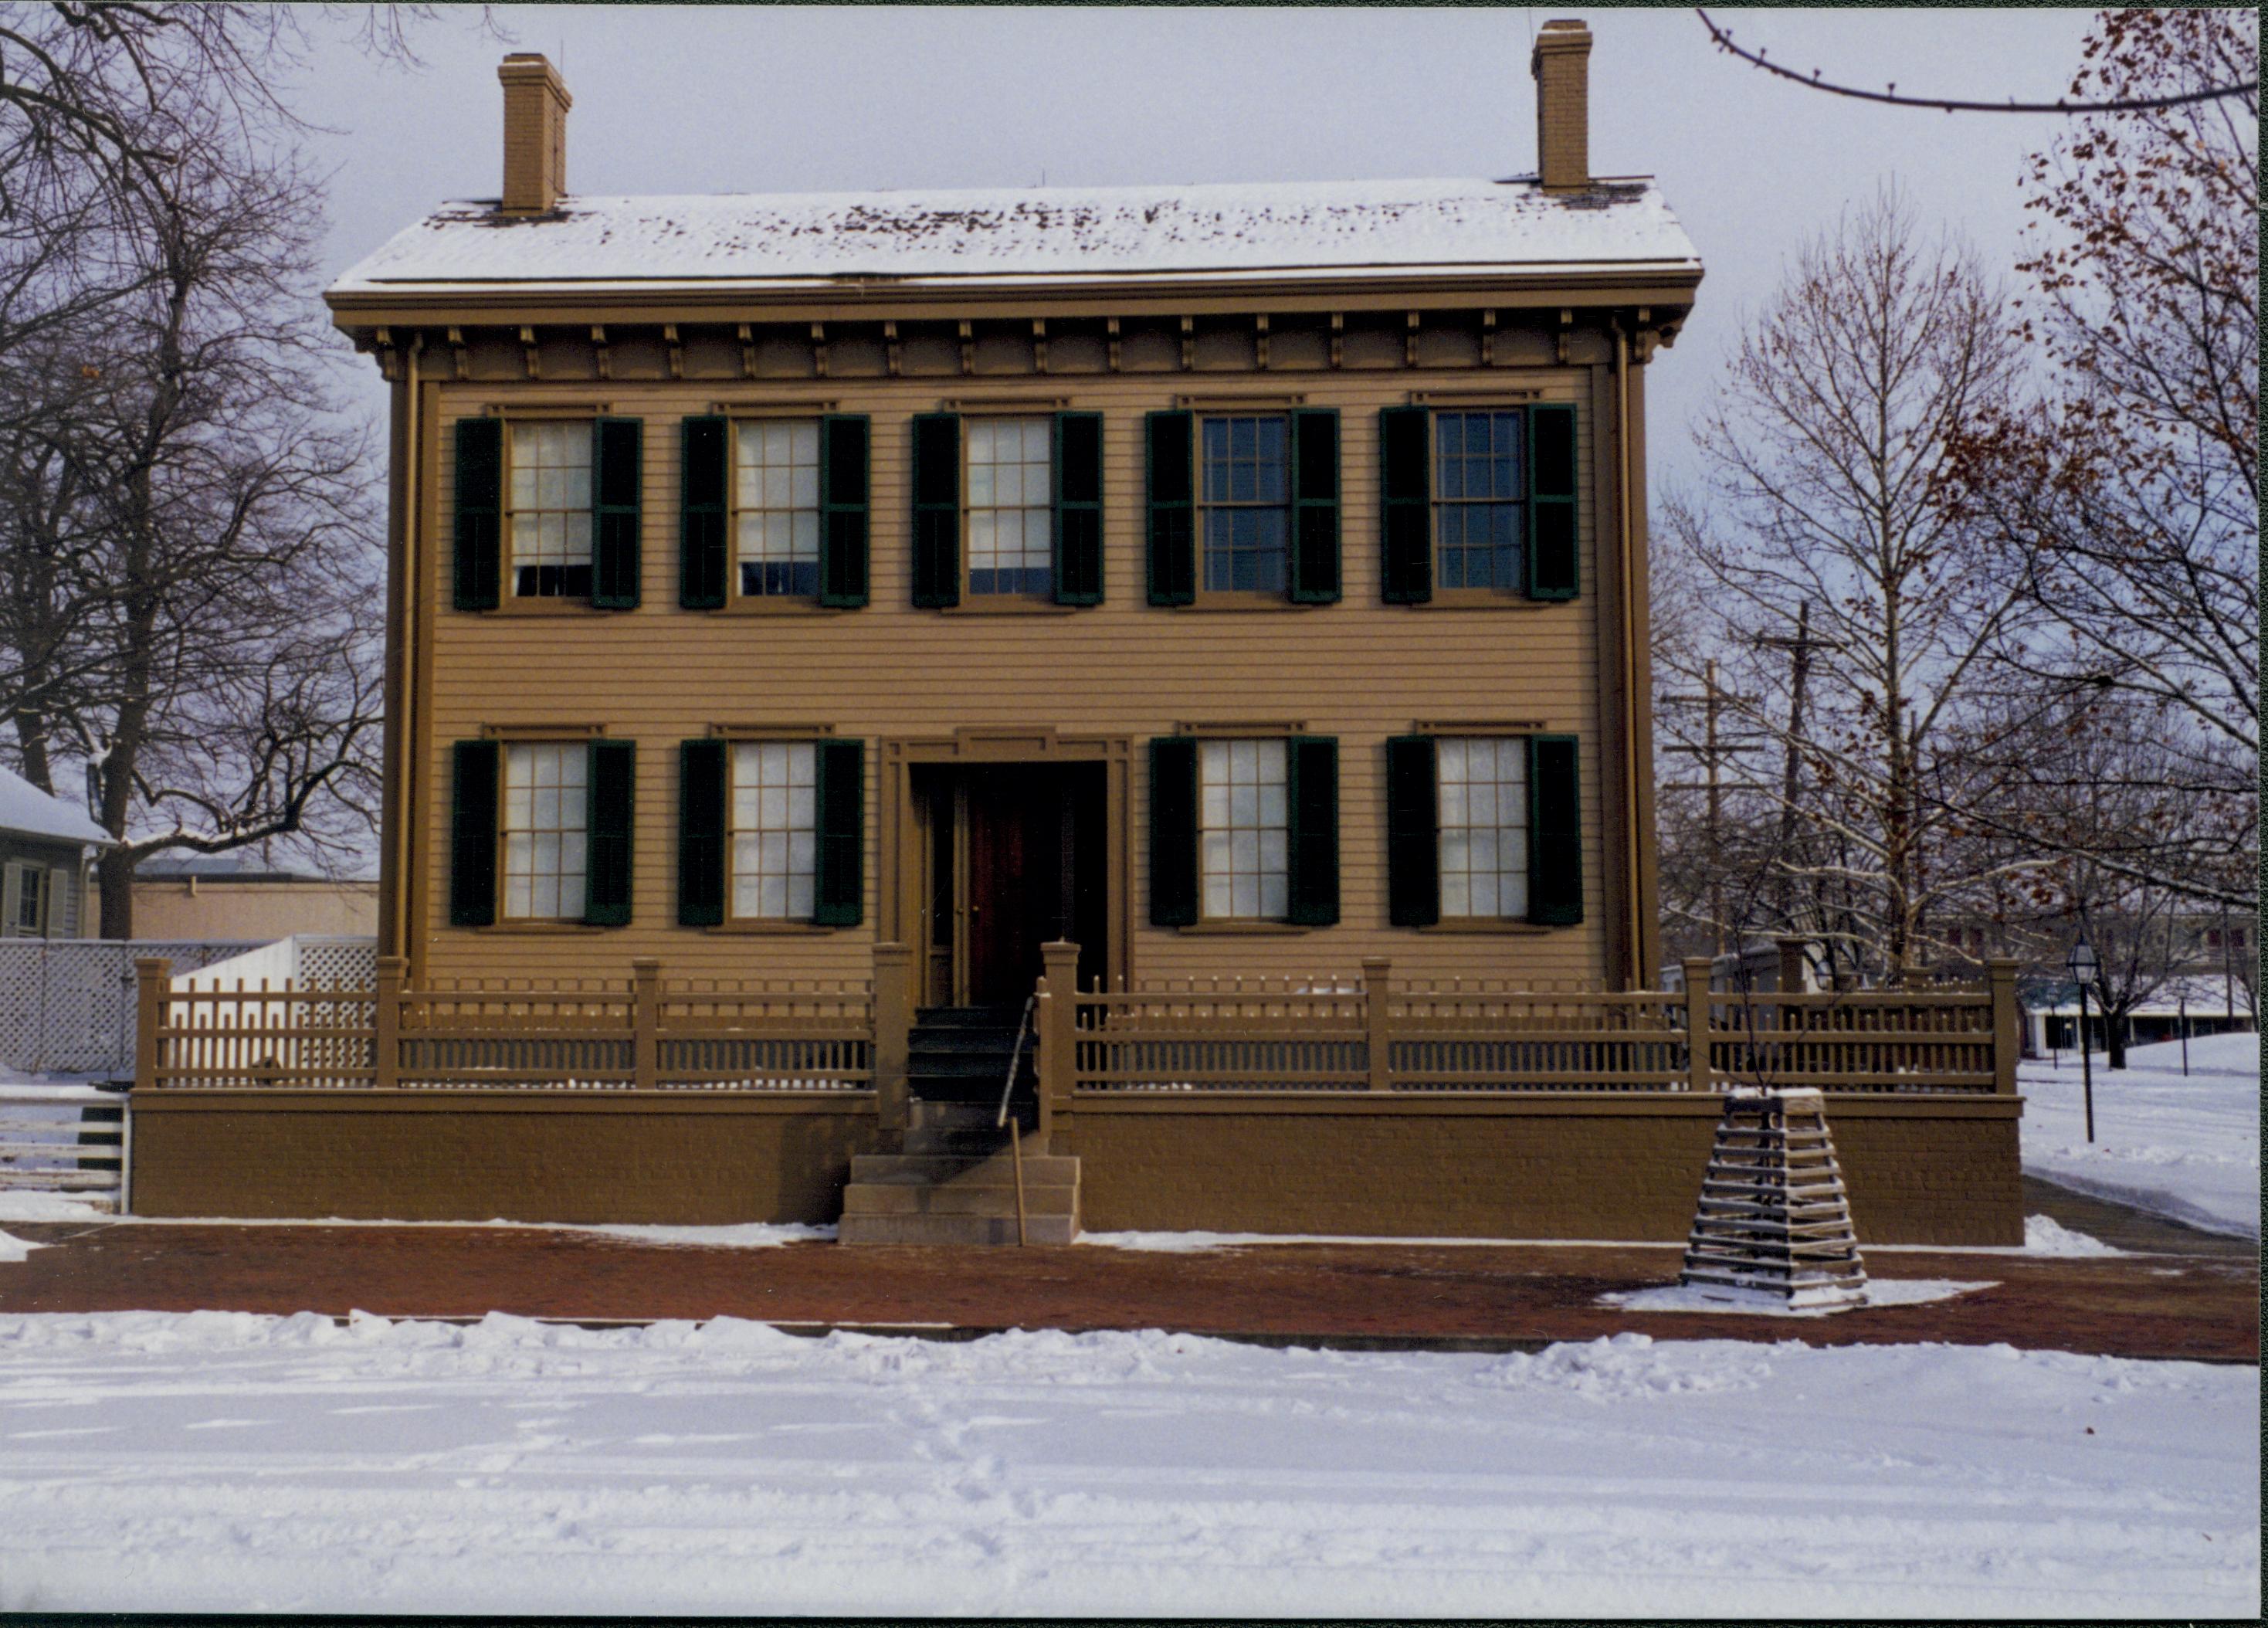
1015,1130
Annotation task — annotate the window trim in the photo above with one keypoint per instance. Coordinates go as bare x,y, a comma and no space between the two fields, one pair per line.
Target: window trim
1021,602
740,604
1201,508
508,596
506,738
735,739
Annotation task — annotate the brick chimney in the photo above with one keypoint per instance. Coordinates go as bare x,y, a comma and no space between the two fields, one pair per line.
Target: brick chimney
535,104
1561,62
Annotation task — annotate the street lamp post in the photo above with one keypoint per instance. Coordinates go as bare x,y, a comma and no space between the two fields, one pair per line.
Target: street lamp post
2082,963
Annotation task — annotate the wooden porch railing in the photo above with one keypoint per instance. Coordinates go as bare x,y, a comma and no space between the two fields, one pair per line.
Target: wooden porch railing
700,1034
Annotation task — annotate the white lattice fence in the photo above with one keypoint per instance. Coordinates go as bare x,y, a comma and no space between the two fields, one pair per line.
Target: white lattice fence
67,1005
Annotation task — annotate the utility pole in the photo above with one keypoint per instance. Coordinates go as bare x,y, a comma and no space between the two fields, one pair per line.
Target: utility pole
1715,747
1799,649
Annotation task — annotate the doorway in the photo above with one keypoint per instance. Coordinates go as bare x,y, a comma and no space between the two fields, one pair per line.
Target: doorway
1014,856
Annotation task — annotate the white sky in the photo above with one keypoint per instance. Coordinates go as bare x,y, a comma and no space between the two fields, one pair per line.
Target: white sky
716,100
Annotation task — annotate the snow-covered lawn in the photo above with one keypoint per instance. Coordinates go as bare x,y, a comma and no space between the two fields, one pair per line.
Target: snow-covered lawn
2188,1148
227,1462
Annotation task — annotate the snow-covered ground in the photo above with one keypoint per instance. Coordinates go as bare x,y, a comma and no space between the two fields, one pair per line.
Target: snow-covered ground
2184,1147
218,1461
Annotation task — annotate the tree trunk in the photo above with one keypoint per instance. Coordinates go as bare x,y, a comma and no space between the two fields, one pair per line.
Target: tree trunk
114,874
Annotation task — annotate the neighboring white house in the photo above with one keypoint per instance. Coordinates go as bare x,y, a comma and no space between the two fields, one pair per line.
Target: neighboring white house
45,848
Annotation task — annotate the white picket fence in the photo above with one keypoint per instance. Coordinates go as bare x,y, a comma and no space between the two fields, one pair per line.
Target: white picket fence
67,1005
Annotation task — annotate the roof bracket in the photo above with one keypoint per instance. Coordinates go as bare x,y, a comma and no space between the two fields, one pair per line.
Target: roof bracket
1039,344
1111,328
967,348
530,352
1260,340
1409,342
747,337
1338,339
605,353
892,348
1188,343
676,350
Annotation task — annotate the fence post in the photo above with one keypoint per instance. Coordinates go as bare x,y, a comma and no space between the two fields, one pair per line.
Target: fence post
1376,1042
1791,965
1699,1075
645,1022
894,1021
386,1072
2008,1041
153,976
1058,1016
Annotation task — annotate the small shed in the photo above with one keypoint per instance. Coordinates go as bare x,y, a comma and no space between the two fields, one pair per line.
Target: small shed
44,846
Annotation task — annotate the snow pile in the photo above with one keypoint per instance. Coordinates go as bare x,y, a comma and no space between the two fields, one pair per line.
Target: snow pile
1880,1292
741,1235
212,1462
2043,1234
29,1206
13,1249
2187,1148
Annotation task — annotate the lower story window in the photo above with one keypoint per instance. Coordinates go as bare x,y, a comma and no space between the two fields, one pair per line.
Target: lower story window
1243,827
546,807
1483,827
775,839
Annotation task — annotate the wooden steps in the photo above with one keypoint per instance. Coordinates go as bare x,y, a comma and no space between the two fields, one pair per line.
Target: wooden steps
1773,1220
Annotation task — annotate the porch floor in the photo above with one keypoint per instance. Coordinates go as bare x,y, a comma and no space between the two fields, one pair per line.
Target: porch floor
2196,1296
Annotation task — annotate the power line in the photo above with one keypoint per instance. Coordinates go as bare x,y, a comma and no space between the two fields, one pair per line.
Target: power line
1723,38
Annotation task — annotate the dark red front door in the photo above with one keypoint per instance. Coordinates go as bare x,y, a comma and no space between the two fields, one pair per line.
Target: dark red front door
1015,880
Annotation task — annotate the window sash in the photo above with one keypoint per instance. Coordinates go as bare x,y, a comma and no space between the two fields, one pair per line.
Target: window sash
1481,786
776,515
1243,830
772,830
1480,511
1009,470
1244,484
548,514
543,829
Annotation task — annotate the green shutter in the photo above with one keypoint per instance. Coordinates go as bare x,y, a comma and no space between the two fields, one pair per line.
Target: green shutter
844,510
937,509
1315,506
700,833
472,836
480,512
617,457
702,556
1551,555
1078,509
1311,773
839,890
1554,832
1172,831
1405,492
1413,832
1171,490
608,822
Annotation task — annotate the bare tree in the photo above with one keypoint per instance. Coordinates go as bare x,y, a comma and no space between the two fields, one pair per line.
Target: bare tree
2122,510
1816,534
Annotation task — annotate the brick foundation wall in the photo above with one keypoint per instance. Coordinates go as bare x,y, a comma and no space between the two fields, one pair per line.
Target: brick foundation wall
1919,1171
468,1156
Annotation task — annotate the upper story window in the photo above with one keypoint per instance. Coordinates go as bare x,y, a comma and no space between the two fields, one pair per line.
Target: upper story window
1243,507
1477,503
775,513
1245,500
1011,509
1007,508
548,510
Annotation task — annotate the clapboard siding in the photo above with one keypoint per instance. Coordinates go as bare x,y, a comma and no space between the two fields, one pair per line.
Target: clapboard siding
1359,670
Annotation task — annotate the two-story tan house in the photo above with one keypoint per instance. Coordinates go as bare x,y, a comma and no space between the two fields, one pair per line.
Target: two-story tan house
867,591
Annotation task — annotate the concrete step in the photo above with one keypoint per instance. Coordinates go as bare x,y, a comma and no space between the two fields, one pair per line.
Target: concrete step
978,1231
910,1198
977,1142
938,1114
968,1169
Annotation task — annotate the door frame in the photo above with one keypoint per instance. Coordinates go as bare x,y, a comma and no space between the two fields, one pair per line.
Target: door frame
903,832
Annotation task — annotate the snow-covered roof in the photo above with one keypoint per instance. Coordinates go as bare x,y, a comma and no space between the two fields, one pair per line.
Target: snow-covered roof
26,809
1470,227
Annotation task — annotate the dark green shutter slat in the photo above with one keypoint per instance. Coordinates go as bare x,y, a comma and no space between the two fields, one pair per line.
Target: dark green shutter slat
703,557
617,457
1551,555
701,833
1311,772
1169,467
839,889
844,443
1315,506
1554,832
608,822
1078,509
472,836
1172,831
1413,837
479,553
1405,490
937,509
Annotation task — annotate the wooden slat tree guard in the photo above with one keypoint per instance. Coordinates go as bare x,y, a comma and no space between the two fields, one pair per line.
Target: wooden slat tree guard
1773,1222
